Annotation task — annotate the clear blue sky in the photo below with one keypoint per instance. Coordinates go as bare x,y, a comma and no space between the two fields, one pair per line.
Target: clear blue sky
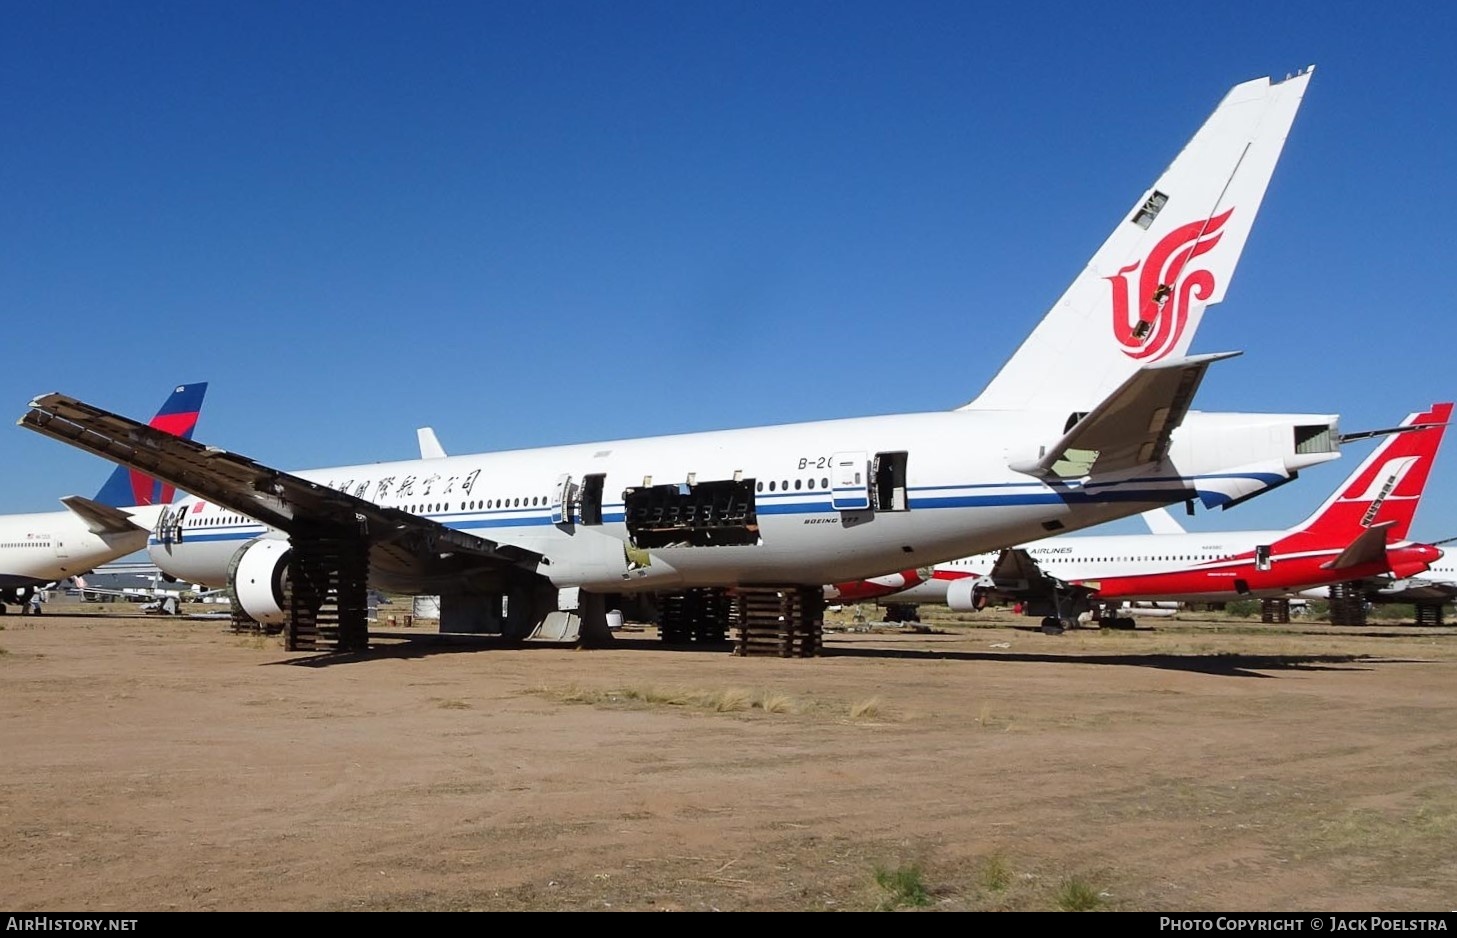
552,222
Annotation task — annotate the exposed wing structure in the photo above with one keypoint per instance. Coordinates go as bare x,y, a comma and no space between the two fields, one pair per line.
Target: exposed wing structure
1017,578
1131,427
99,518
276,498
1014,568
1413,590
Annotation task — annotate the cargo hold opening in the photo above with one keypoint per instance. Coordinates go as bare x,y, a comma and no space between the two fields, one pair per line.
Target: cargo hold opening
702,514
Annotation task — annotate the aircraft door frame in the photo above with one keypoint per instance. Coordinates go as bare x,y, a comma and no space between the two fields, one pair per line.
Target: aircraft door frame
850,481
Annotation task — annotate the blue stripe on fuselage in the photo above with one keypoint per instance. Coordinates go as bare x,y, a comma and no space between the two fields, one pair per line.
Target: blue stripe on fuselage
781,503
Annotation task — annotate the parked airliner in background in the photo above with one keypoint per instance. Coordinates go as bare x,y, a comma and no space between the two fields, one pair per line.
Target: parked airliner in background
1087,422
1429,590
1359,532
42,548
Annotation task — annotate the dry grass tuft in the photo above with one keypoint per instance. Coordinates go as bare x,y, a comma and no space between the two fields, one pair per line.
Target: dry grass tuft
904,887
996,873
776,703
1075,894
867,709
731,700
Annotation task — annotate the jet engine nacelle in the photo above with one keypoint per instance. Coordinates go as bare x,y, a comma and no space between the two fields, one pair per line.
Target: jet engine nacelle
257,574
967,594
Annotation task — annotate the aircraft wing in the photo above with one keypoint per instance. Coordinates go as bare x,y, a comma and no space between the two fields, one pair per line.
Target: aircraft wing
1131,427
1367,547
1013,565
276,498
1415,589
99,518
1017,578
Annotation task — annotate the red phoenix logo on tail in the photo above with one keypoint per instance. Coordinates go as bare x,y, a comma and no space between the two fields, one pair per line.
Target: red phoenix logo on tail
1165,290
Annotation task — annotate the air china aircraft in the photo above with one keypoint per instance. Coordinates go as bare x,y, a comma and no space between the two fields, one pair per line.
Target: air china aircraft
37,549
1359,532
1087,422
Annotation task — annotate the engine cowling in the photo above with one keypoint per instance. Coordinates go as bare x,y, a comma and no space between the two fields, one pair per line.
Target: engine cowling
968,594
257,574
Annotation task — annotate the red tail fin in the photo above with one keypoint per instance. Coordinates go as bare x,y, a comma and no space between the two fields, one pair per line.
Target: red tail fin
1388,485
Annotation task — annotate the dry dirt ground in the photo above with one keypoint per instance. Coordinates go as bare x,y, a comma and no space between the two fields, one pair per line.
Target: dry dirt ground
169,764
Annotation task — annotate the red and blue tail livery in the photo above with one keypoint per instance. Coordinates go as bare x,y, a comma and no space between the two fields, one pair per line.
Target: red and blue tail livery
178,416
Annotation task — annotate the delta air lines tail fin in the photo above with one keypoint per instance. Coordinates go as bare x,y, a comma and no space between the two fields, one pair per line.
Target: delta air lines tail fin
1385,489
1141,297
178,416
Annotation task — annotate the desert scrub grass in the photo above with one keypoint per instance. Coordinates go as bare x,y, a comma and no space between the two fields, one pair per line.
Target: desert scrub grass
452,703
904,887
771,702
867,709
995,874
668,696
1075,894
724,700
732,700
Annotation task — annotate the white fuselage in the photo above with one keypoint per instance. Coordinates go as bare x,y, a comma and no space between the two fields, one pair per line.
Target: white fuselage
960,496
41,548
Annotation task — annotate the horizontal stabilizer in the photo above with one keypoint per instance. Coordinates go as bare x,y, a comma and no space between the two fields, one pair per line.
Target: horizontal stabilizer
99,518
1368,547
1131,427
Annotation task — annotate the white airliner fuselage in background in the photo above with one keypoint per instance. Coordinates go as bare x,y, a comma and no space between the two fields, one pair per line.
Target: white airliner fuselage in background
1087,422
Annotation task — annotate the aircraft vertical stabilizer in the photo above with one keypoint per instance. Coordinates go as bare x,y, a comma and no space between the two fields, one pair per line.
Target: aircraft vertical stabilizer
178,416
1141,297
1387,486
